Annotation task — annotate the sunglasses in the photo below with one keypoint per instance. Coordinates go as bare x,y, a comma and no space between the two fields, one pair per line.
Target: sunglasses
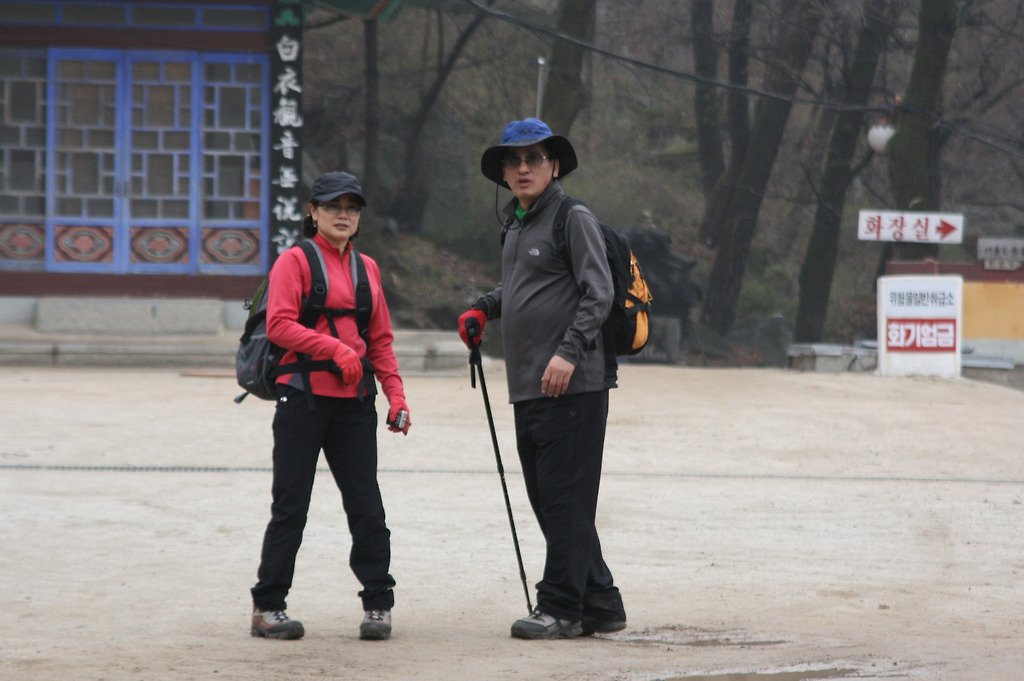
533,160
352,209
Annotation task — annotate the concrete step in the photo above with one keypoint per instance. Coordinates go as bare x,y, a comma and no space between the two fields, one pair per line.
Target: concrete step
130,316
156,332
23,344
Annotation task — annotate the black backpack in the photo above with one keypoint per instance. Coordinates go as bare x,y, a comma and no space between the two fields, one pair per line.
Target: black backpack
626,330
258,360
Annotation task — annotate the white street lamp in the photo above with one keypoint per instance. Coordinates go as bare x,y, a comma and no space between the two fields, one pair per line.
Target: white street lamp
879,135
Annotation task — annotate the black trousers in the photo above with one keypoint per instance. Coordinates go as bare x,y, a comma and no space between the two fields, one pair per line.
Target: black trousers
346,430
561,446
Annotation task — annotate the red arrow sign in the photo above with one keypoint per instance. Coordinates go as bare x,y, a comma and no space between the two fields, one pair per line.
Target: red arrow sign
945,229
910,226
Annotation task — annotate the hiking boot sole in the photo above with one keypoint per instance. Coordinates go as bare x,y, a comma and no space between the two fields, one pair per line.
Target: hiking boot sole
375,634
547,634
288,634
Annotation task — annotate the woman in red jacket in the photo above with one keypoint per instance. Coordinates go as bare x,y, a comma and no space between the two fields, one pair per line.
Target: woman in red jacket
339,416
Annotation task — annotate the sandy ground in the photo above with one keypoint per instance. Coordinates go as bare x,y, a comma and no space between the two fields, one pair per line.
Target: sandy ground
760,523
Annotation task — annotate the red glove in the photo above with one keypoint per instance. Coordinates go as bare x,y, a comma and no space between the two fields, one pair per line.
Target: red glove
471,327
398,405
349,363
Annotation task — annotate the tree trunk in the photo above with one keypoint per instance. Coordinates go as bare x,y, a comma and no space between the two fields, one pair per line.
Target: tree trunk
913,146
820,258
372,133
713,228
707,108
740,216
564,94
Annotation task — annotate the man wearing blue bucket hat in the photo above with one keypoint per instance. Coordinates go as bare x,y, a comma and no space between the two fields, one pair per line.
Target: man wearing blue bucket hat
552,308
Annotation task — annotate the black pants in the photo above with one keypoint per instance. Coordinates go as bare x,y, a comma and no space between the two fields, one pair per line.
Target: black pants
346,430
561,446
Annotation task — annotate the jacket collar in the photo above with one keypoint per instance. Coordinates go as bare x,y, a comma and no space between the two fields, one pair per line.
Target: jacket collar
553,194
329,247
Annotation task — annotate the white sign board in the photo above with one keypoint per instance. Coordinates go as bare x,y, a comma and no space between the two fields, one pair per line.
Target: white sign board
992,248
910,227
919,325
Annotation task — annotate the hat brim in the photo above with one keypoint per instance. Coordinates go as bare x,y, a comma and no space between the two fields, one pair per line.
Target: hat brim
330,196
558,146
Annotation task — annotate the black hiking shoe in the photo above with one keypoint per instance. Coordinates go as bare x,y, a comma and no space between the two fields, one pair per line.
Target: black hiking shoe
603,613
275,624
543,626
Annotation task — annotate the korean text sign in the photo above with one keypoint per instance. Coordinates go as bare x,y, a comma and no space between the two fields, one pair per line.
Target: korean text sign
910,226
919,324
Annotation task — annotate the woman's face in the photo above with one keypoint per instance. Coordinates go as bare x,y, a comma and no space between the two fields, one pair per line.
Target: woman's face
338,219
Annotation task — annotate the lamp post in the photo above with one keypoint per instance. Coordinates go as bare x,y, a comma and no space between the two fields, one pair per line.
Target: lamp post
541,72
879,135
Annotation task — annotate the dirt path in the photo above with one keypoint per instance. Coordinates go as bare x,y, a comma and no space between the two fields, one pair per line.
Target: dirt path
757,522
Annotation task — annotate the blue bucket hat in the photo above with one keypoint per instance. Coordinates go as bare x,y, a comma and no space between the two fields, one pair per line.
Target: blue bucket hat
332,185
525,133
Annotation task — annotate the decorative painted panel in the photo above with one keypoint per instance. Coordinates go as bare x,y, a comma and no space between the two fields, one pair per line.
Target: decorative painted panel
229,246
160,245
83,244
22,243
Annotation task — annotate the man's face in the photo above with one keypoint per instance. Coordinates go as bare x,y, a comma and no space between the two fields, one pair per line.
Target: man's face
528,171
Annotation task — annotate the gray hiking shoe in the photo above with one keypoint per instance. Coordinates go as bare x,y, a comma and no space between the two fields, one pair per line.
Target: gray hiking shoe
543,626
275,624
376,625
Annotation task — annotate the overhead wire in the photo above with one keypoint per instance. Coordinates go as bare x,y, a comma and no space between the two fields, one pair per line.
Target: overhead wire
894,109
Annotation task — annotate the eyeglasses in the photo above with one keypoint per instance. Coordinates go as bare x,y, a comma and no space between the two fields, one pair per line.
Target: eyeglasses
352,210
533,160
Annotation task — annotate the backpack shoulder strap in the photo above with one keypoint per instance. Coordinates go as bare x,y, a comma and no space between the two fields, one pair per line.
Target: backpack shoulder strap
364,300
314,304
561,246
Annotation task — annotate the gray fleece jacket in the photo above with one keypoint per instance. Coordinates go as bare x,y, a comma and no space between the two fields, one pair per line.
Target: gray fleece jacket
545,307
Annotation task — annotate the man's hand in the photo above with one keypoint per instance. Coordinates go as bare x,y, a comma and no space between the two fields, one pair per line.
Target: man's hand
471,327
556,377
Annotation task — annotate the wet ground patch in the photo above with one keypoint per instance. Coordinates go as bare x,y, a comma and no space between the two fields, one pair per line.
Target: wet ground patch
694,637
807,675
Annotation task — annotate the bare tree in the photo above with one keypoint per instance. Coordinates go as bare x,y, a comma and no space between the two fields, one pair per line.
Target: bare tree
741,204
371,107
915,146
564,93
412,195
713,226
819,260
707,110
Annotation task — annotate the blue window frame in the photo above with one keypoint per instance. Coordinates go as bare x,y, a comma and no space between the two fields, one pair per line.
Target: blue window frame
156,162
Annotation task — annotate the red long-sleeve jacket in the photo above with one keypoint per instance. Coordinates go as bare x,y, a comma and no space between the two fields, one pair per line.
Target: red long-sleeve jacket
290,280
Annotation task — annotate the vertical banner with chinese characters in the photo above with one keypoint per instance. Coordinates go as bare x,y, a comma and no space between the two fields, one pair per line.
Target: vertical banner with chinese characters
919,325
286,201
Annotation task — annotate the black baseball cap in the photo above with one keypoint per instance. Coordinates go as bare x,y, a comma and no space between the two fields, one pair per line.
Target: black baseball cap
332,185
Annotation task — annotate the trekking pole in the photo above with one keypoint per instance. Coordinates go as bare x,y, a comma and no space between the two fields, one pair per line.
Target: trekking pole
476,369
